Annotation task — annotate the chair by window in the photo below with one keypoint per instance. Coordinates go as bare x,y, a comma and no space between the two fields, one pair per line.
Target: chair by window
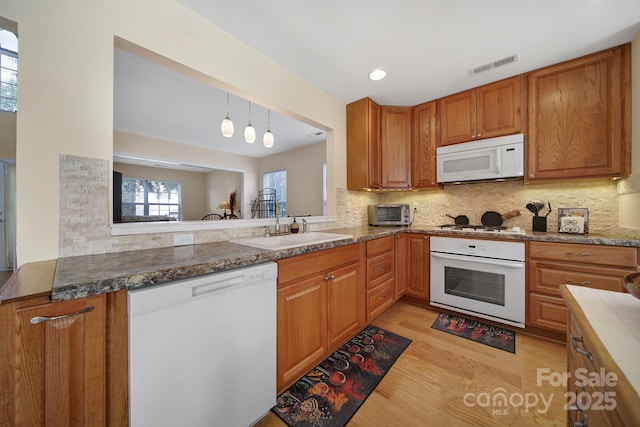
211,217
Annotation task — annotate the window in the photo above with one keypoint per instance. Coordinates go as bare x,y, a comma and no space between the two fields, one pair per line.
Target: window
144,198
8,71
278,181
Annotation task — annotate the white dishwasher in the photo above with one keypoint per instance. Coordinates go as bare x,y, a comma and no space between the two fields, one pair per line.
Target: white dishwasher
202,351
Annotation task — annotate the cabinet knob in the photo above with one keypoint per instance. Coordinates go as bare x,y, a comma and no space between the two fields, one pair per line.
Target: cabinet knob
327,277
531,175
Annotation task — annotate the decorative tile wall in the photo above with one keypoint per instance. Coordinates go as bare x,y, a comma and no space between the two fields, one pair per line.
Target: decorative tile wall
84,211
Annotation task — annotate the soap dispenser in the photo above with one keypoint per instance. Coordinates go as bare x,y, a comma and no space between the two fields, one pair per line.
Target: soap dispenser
294,227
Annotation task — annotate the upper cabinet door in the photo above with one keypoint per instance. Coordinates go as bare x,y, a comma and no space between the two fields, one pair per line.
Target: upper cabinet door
457,118
395,147
499,108
579,118
484,112
423,146
363,145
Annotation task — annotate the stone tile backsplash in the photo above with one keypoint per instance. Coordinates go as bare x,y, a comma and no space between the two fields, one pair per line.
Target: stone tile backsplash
84,208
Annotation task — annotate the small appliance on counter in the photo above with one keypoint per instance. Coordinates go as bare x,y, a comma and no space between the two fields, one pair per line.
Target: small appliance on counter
399,214
573,220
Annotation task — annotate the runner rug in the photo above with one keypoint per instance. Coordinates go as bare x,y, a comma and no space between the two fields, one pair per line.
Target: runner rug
501,338
333,391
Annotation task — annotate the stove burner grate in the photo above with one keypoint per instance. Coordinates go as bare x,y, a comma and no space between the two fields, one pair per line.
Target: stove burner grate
473,227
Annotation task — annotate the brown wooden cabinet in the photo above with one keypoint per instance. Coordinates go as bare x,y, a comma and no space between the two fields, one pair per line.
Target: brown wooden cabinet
378,146
423,146
484,112
57,370
401,264
418,266
320,306
363,145
380,275
395,147
554,264
598,391
579,118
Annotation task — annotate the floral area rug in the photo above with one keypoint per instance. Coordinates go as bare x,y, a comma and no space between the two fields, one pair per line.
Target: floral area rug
501,338
333,391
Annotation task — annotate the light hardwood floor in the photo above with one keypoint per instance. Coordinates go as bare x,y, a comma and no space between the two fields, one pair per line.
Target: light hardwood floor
428,383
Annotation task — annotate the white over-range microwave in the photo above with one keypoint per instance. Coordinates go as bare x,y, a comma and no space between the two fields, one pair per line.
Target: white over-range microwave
487,159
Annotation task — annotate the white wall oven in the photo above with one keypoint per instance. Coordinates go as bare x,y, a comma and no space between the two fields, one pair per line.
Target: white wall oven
483,278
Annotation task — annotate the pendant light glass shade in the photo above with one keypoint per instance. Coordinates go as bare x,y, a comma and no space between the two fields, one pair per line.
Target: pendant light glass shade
250,134
249,131
227,125
268,139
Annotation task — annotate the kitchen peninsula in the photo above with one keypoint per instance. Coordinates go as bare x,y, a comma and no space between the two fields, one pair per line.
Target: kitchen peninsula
102,281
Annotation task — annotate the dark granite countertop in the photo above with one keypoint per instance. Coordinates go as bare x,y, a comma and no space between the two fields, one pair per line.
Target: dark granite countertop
81,276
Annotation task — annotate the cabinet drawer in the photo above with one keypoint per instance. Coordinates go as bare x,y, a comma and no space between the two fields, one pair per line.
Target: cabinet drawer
317,262
379,269
379,299
548,312
379,246
546,278
584,254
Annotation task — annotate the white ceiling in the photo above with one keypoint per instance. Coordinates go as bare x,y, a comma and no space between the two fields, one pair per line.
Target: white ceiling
427,47
159,102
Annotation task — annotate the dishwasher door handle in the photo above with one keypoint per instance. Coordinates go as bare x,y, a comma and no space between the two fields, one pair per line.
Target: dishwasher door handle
216,287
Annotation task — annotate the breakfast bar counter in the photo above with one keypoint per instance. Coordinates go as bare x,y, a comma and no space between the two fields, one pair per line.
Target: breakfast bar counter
82,276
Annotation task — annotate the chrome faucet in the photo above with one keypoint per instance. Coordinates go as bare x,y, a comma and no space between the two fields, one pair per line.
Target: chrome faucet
304,225
277,227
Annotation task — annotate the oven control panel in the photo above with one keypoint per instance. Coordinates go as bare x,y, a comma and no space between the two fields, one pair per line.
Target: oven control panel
482,248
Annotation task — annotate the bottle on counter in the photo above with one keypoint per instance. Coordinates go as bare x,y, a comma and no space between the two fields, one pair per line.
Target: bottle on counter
294,227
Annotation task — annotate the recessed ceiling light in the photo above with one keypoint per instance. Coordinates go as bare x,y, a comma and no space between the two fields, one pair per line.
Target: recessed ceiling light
377,74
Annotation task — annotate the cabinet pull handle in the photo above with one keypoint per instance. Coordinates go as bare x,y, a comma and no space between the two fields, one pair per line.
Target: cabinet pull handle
573,282
40,319
382,297
327,277
569,252
381,269
582,423
574,343
586,254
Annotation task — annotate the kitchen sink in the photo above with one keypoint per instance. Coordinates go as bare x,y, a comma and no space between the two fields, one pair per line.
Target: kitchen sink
288,241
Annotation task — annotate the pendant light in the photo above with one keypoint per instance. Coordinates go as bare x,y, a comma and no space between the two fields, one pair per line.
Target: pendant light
249,131
267,139
227,125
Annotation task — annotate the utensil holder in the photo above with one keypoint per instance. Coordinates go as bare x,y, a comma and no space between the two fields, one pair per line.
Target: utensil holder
540,223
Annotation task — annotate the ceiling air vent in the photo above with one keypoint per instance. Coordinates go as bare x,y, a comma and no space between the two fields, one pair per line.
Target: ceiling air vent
493,64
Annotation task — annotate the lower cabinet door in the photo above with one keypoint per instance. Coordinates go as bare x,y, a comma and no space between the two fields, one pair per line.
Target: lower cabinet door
61,364
344,304
379,299
548,312
302,327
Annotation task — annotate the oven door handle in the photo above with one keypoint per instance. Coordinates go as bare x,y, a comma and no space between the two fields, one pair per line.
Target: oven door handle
479,260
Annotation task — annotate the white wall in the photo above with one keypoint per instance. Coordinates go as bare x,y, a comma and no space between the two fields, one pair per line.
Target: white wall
629,188
304,177
66,106
7,135
220,184
193,186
